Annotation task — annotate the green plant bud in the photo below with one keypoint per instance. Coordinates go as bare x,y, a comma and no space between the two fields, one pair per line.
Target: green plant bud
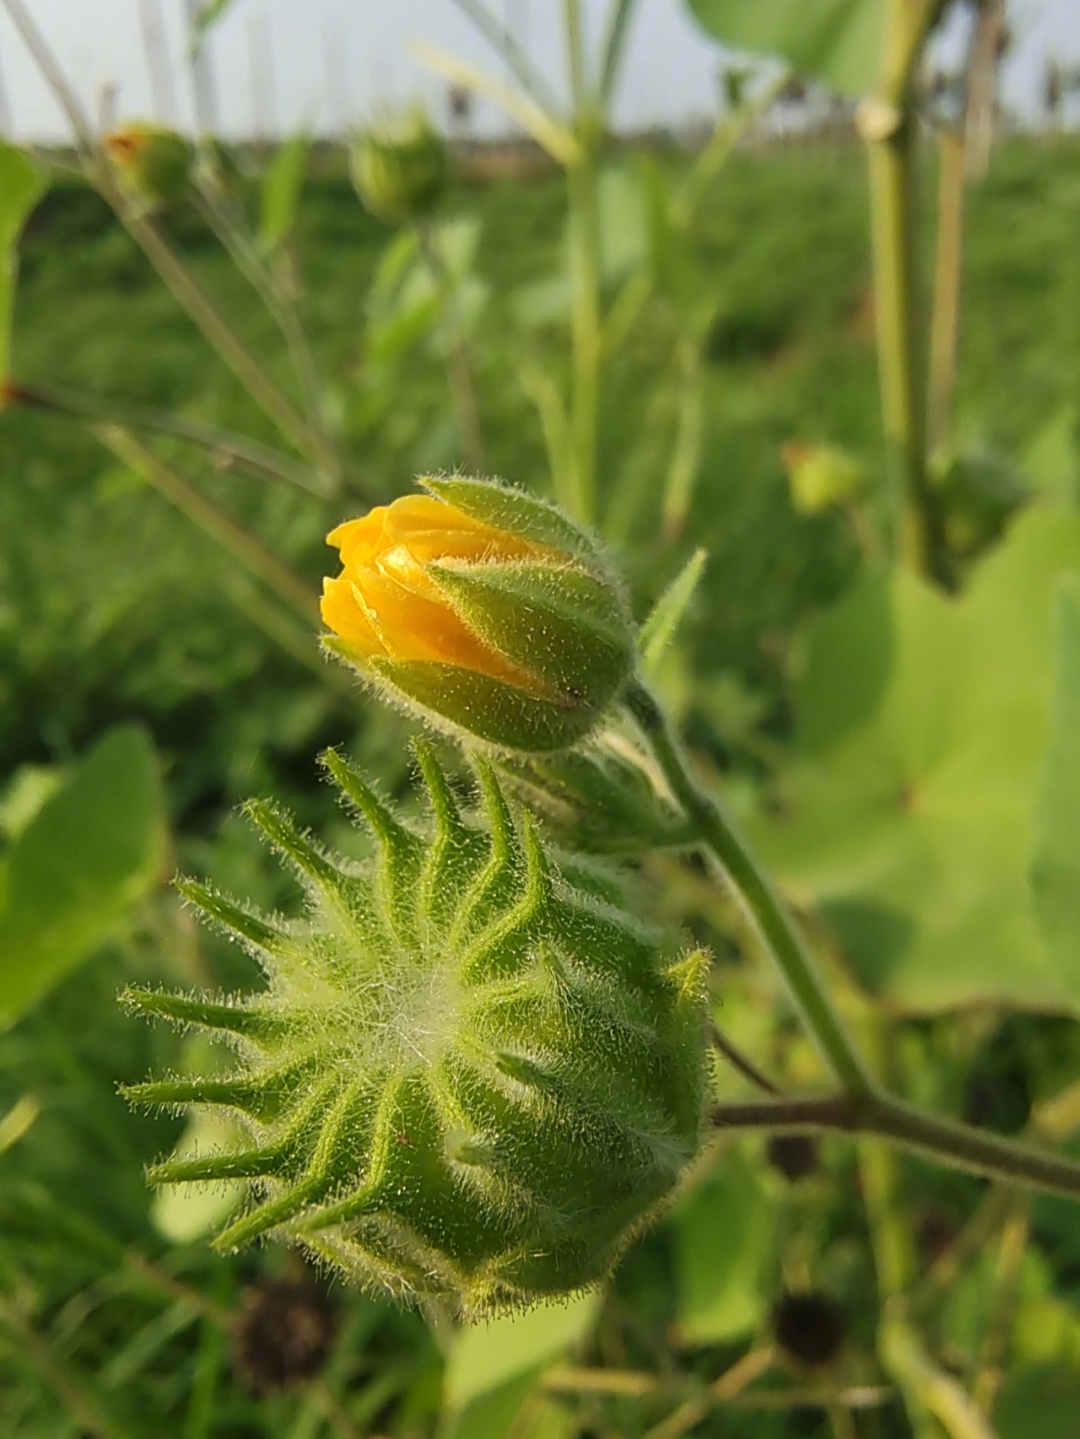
400,168
602,796
484,607
472,1076
822,475
154,164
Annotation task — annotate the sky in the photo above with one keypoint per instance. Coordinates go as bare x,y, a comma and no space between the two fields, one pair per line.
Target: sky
325,64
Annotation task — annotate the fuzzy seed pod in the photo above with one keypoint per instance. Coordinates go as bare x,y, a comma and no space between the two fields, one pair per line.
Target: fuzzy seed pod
471,1077
483,607
400,168
154,163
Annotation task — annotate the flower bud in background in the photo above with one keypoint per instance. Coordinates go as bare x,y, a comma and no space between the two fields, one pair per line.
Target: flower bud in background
485,607
400,168
154,164
821,475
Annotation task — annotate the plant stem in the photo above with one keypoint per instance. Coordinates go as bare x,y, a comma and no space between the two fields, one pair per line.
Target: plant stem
459,367
181,283
618,28
938,1391
741,1062
227,450
888,122
586,332
758,896
232,537
948,270
584,236
282,311
503,41
958,1146
896,306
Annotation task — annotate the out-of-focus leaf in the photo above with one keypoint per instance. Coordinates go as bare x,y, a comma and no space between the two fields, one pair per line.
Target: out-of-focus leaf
666,615
909,815
91,851
723,1234
1056,863
1051,462
280,191
556,138
489,1355
21,187
835,41
1043,1402
183,1213
30,786
623,223
492,1414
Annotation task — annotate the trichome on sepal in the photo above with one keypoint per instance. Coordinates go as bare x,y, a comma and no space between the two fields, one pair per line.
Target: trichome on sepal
472,1075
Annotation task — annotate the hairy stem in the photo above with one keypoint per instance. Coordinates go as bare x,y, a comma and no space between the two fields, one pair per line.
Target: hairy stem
760,899
958,1146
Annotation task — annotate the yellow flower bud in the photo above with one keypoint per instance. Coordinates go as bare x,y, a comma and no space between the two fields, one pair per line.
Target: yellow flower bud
486,608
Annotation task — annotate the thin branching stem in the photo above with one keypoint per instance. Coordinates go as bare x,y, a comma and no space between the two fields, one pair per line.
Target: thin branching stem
251,553
757,893
505,44
958,1146
282,311
227,449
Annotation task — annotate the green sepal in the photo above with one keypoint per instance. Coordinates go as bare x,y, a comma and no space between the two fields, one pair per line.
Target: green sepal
485,708
483,1078
505,508
597,799
560,623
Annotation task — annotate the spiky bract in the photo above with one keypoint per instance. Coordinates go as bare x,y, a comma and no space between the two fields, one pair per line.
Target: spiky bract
471,1076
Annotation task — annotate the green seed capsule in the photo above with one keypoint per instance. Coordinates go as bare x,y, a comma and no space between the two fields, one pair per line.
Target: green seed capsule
471,1078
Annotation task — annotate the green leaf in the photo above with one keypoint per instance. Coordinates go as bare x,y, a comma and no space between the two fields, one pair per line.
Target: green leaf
835,41
908,815
1056,865
93,849
492,1414
666,615
487,1357
280,195
184,1213
1051,462
1039,1401
21,187
723,1237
